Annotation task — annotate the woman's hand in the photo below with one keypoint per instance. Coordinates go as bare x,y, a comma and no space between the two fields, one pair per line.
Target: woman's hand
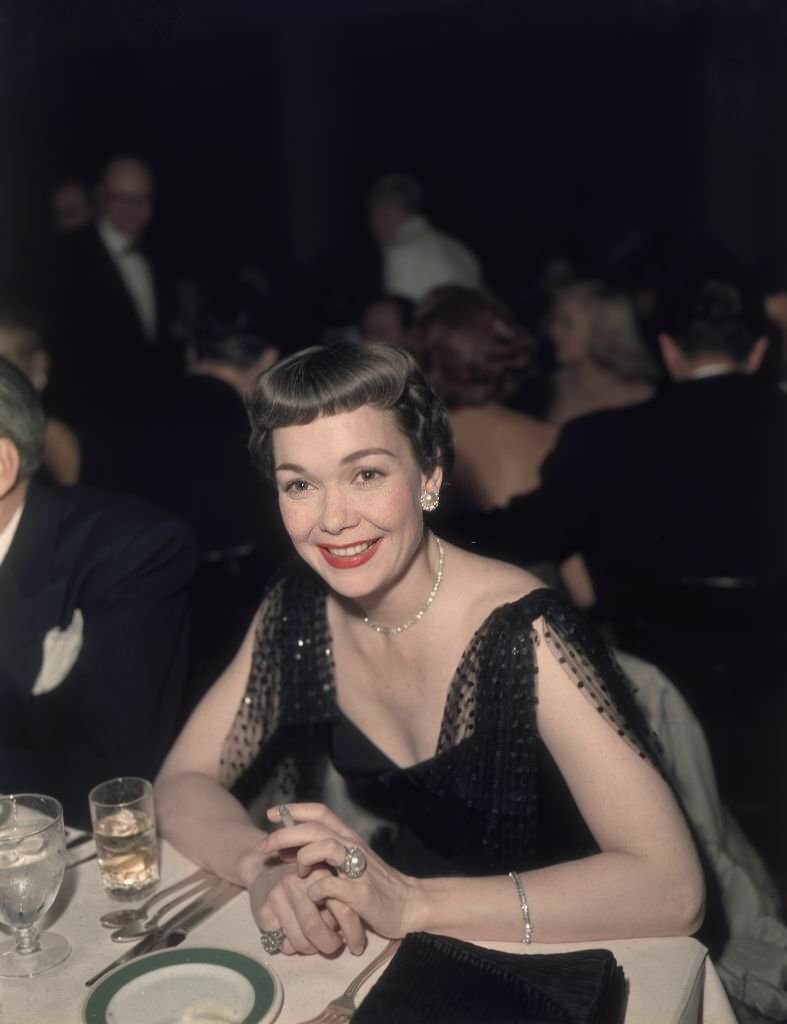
279,899
382,897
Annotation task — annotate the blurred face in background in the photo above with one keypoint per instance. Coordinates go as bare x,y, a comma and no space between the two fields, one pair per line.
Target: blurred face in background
570,330
126,196
70,207
19,345
382,321
385,219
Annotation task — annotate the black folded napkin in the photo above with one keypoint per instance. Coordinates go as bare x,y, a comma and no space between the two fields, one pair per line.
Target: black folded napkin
434,979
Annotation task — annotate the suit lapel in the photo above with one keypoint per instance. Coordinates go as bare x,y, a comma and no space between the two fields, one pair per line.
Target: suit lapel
32,600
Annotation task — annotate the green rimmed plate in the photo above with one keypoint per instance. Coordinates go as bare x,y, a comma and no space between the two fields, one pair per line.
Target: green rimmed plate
178,986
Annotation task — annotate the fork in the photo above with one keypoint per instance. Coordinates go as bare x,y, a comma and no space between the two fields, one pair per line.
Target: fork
341,1009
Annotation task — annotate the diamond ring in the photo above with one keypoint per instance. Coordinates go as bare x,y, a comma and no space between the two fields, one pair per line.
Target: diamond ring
272,940
354,862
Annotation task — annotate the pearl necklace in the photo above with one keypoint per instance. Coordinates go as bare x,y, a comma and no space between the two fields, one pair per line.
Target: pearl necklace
438,579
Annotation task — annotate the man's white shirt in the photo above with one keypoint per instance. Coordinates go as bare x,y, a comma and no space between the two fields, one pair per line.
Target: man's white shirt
8,532
421,258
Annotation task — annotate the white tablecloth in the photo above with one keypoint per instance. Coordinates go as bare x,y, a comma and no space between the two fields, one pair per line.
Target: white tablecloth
670,980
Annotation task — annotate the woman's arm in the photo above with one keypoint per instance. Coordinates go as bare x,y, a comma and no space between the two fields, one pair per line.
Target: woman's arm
646,881
207,824
196,814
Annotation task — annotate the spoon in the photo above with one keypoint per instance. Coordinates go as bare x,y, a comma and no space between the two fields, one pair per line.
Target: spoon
137,928
121,918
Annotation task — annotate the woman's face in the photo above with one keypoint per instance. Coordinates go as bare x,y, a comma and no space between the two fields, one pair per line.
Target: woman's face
349,493
570,331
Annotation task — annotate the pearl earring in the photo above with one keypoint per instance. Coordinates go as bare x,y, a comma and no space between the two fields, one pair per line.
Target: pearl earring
430,500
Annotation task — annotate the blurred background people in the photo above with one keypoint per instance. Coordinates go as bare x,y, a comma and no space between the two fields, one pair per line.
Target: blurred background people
602,359
416,257
188,454
678,506
109,310
94,623
388,318
21,343
70,206
476,357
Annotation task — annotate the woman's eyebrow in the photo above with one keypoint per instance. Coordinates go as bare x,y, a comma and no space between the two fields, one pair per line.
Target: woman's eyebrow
352,457
363,452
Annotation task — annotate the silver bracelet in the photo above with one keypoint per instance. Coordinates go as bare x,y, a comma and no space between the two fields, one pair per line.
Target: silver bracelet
523,906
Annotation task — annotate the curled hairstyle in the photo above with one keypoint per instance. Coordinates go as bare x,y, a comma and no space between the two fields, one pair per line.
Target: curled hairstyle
471,348
22,419
328,379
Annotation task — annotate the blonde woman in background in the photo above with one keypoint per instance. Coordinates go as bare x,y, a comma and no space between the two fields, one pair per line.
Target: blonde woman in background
602,359
602,364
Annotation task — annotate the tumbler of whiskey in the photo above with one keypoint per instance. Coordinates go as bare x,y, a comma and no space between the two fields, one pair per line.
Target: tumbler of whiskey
124,827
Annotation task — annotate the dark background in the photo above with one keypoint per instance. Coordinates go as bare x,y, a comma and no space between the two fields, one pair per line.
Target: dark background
535,127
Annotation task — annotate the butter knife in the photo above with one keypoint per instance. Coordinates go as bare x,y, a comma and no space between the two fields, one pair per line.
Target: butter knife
176,929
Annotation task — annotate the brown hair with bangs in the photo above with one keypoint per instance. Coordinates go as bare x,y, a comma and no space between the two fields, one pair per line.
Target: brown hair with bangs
328,379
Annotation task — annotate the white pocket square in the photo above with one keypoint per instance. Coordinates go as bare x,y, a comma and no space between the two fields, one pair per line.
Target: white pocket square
61,650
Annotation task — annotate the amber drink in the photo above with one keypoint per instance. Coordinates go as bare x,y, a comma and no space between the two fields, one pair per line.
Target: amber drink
124,827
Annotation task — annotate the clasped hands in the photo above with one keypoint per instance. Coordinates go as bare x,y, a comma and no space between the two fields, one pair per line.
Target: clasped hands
312,901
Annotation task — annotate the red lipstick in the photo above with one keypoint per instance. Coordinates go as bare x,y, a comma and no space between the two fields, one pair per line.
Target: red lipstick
348,561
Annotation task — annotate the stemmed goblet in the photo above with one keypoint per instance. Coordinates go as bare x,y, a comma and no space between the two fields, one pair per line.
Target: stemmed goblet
32,864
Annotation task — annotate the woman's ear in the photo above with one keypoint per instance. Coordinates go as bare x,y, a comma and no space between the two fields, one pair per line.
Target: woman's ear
434,481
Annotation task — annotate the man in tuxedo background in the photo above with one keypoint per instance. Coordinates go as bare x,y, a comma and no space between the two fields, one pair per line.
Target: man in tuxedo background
108,309
93,622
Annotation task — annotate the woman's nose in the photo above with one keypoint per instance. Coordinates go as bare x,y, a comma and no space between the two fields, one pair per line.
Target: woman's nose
336,513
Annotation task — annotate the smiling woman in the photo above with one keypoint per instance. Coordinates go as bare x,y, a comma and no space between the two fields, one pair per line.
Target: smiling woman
463,703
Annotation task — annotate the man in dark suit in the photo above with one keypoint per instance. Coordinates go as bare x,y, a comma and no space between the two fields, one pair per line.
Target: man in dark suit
93,623
108,310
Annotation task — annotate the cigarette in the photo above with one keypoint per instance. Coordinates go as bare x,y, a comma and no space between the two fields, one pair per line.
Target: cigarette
287,819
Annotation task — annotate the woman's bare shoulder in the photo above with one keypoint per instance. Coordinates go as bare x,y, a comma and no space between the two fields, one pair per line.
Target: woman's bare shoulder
488,583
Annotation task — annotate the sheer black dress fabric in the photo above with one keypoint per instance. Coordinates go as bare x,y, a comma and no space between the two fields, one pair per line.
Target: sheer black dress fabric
491,799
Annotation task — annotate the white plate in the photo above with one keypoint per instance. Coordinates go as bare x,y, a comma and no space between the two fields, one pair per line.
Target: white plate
187,986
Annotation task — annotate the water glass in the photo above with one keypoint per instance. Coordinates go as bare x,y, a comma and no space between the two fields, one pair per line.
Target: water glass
124,827
32,863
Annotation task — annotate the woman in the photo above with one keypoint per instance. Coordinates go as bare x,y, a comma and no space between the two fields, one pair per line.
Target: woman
475,356
602,359
456,696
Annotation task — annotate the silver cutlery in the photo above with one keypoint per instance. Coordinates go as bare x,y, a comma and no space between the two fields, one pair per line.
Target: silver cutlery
177,928
341,1009
126,916
137,928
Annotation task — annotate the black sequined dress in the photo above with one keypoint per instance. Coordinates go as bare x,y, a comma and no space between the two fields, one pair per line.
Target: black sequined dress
491,799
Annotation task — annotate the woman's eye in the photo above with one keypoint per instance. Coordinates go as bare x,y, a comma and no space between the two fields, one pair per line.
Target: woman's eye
296,488
368,476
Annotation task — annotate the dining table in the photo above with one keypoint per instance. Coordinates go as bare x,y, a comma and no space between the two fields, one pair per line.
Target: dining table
669,979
